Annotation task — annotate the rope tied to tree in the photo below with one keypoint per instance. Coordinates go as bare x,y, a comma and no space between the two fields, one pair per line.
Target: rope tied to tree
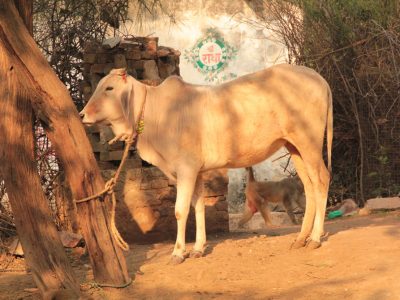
111,183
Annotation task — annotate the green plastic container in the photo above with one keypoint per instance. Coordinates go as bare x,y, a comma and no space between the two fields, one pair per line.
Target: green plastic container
335,214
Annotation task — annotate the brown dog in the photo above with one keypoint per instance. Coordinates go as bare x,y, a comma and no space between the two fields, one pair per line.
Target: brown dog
259,194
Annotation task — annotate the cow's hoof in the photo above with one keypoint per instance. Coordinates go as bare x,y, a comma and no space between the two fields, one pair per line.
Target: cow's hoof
176,260
297,244
311,245
196,254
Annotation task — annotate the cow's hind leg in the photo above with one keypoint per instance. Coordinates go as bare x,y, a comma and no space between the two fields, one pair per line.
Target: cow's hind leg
198,204
186,181
320,177
309,213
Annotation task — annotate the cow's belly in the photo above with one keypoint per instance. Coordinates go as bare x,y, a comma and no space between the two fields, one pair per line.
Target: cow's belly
248,156
240,155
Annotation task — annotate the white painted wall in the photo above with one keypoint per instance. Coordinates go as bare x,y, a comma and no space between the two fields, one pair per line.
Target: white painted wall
256,50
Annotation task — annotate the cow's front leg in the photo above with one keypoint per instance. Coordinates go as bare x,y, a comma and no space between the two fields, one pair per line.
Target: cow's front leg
198,204
185,187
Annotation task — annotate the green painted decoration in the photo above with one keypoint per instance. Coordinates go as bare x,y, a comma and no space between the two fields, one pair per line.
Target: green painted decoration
210,56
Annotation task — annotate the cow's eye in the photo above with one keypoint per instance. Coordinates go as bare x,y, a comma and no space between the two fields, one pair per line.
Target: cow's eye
109,88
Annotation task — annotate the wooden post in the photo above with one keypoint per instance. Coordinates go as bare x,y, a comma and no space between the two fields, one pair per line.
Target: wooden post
42,246
53,105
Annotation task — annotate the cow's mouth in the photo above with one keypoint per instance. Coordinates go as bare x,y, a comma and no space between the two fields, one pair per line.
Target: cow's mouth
88,123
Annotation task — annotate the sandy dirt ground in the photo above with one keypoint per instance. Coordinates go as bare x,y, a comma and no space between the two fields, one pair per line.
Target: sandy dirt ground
360,259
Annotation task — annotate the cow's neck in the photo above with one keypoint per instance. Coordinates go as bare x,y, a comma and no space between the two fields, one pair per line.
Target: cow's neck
139,103
144,143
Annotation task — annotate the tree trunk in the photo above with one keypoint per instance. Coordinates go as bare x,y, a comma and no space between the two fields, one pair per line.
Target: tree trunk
53,105
42,246
25,10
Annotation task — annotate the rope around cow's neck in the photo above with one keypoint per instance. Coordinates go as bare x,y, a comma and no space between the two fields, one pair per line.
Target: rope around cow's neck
110,184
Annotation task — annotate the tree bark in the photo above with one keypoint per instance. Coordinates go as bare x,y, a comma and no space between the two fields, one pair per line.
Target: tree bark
25,10
53,105
42,246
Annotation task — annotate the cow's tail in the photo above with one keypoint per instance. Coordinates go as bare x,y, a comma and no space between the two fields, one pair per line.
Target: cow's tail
329,130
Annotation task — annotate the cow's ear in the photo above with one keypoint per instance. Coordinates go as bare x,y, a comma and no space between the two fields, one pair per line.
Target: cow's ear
127,105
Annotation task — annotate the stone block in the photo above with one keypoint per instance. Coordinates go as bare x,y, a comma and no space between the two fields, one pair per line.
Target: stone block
152,44
136,64
132,72
108,67
152,172
168,194
150,70
91,47
103,58
111,155
105,165
94,80
116,146
86,69
133,162
147,55
163,52
383,203
97,68
107,174
119,61
95,142
156,172
129,43
159,183
177,53
106,134
111,42
139,73
145,185
89,58
93,129
134,54
133,174
165,69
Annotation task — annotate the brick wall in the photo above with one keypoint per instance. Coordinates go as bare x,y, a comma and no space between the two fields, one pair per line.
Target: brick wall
146,198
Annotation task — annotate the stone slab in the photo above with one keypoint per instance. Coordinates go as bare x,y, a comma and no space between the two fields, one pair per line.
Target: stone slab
383,203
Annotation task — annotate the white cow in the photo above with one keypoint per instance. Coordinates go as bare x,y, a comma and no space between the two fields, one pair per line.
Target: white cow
190,128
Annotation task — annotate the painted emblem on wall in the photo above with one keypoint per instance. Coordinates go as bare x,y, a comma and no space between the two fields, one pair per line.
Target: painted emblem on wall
210,56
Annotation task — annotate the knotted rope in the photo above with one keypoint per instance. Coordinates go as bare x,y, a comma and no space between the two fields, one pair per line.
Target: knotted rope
109,190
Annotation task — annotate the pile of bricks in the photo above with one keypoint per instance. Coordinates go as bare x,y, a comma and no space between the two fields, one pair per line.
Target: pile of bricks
142,58
146,198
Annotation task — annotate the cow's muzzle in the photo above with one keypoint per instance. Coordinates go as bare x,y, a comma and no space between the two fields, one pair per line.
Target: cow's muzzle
84,118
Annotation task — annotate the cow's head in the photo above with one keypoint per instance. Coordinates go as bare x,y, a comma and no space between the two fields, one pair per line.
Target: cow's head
112,103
